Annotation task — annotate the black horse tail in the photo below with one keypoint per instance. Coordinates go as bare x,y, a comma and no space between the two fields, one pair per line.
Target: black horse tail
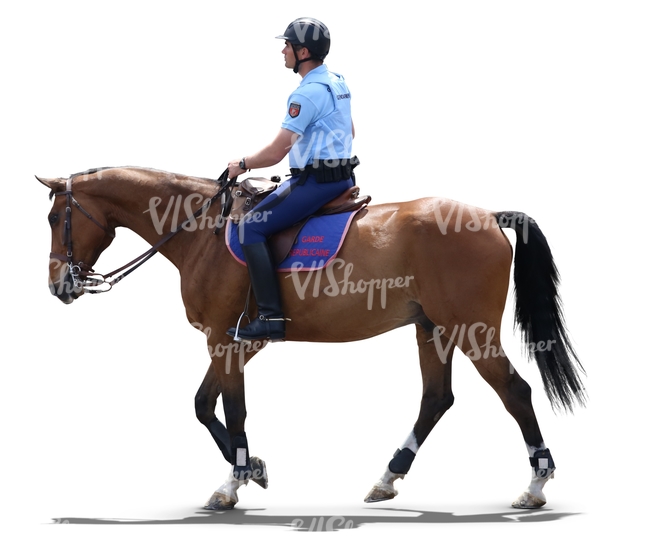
538,313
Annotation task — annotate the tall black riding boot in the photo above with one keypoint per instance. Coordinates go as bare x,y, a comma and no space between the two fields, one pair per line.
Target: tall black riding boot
269,323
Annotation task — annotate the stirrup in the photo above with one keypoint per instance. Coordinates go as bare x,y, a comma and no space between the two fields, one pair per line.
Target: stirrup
236,336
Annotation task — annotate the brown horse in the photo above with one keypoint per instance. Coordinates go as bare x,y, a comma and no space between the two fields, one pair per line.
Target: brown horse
433,263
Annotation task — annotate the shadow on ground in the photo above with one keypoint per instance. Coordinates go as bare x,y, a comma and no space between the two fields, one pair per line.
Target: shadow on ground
329,523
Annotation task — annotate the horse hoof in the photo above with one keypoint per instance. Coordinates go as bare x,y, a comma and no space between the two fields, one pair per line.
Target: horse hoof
260,476
220,502
380,494
528,501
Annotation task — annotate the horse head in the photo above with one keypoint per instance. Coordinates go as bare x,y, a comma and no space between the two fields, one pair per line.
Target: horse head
81,231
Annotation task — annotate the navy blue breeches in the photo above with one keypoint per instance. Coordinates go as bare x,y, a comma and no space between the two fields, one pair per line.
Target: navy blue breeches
287,205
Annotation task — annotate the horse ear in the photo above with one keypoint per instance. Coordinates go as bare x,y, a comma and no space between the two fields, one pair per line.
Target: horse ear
55,184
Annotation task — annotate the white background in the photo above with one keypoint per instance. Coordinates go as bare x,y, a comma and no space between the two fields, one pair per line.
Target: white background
534,106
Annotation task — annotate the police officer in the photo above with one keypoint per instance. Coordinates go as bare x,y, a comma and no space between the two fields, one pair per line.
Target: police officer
317,134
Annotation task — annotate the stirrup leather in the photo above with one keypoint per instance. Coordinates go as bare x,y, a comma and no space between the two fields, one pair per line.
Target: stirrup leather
263,318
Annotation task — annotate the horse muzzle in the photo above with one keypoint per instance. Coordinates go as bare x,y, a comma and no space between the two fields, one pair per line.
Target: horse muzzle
65,288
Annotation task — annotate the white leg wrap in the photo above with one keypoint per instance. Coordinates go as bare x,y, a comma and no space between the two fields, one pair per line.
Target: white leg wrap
411,443
229,488
533,450
533,497
387,479
384,488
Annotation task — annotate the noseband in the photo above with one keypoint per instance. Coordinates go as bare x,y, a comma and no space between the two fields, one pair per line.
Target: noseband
83,275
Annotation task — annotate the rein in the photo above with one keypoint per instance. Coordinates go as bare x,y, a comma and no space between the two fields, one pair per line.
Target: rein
82,275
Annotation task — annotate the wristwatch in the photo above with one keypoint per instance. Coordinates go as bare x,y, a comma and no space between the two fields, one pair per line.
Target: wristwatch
242,164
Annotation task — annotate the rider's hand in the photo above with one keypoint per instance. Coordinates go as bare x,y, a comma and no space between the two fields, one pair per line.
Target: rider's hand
234,169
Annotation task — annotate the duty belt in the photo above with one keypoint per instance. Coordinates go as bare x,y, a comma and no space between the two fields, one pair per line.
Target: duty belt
325,173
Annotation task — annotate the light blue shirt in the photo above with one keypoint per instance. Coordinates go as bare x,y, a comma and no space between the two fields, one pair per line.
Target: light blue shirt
318,111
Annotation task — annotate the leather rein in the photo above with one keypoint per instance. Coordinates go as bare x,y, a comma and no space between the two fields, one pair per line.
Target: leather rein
84,276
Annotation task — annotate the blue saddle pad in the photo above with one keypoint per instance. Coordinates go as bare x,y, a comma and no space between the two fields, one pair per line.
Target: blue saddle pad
318,242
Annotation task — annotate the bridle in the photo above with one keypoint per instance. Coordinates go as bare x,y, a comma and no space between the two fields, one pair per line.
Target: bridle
83,275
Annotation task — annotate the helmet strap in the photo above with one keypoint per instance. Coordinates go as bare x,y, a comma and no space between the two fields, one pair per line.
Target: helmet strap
296,66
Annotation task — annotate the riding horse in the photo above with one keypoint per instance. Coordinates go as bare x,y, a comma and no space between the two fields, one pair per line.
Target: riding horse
436,264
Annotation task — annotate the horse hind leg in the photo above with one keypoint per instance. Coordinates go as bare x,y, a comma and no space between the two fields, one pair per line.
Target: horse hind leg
515,394
437,398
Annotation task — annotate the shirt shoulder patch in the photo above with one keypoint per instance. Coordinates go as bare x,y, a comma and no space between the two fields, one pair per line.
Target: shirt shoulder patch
294,109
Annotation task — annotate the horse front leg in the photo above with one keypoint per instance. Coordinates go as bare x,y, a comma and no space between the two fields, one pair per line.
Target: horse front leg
437,398
205,403
230,443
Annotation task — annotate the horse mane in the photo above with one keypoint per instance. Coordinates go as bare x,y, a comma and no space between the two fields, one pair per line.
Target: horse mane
83,173
90,171
100,169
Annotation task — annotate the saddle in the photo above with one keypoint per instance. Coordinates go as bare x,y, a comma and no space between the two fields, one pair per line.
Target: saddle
251,191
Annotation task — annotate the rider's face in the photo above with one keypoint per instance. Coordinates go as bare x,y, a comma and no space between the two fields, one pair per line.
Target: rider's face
289,55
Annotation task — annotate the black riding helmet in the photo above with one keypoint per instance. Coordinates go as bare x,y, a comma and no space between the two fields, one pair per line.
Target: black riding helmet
310,33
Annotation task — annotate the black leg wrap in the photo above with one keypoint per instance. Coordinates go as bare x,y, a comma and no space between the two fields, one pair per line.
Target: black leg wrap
221,437
240,458
542,463
401,462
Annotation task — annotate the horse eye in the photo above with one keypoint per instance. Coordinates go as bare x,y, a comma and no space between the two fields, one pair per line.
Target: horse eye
53,218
